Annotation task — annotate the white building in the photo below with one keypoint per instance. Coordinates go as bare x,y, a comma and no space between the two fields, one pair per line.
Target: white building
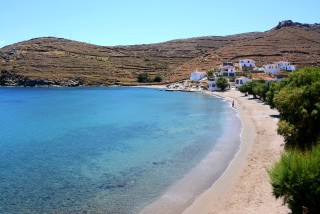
227,71
257,69
242,80
286,66
245,63
213,86
196,75
272,68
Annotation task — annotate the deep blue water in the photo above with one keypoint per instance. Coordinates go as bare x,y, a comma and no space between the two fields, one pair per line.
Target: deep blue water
100,150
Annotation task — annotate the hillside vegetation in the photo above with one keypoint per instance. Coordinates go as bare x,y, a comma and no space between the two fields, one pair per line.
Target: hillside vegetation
57,61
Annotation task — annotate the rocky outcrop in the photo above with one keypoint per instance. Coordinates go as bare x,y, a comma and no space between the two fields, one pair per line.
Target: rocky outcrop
289,23
189,86
10,79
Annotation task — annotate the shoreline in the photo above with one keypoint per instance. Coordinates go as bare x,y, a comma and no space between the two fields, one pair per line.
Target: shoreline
244,187
182,193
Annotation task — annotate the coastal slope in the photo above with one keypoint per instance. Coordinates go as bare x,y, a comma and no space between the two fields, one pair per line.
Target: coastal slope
58,61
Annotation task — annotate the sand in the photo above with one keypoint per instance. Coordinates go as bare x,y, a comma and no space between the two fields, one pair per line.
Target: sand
150,86
244,187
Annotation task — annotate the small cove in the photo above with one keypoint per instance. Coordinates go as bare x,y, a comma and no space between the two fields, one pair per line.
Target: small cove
104,150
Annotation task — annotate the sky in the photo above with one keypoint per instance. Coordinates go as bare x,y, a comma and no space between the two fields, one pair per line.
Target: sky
129,22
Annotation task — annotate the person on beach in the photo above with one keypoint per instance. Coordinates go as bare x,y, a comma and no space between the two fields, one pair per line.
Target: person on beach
232,103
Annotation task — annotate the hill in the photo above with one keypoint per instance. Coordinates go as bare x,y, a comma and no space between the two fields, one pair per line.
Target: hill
57,61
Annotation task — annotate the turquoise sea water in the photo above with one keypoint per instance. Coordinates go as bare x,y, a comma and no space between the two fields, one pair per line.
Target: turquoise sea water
102,150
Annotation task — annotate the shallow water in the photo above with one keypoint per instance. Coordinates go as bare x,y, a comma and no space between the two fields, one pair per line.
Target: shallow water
102,150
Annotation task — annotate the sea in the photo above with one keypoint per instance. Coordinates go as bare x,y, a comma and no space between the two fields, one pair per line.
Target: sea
108,150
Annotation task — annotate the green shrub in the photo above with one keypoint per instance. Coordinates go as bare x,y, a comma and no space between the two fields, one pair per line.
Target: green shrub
222,83
260,89
274,88
157,78
298,102
144,77
210,73
232,79
248,88
243,89
296,179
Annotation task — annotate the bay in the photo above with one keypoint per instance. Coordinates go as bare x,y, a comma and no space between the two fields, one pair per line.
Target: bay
102,150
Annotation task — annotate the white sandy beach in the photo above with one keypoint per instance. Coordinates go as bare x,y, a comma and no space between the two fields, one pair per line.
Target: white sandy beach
244,187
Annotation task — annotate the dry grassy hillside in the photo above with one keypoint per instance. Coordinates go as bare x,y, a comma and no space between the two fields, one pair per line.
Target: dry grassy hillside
60,59
299,45
56,61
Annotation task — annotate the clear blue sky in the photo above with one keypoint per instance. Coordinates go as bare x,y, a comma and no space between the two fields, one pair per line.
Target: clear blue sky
128,22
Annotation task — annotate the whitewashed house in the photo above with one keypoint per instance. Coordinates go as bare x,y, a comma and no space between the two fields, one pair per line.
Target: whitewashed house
213,86
247,63
260,69
273,68
228,71
286,66
242,80
196,75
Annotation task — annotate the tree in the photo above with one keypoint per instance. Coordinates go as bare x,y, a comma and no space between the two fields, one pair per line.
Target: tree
143,77
210,73
157,78
248,88
296,179
274,88
298,102
261,89
243,89
222,83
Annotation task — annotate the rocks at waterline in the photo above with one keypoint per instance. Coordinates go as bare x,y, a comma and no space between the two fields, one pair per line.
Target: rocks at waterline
10,79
